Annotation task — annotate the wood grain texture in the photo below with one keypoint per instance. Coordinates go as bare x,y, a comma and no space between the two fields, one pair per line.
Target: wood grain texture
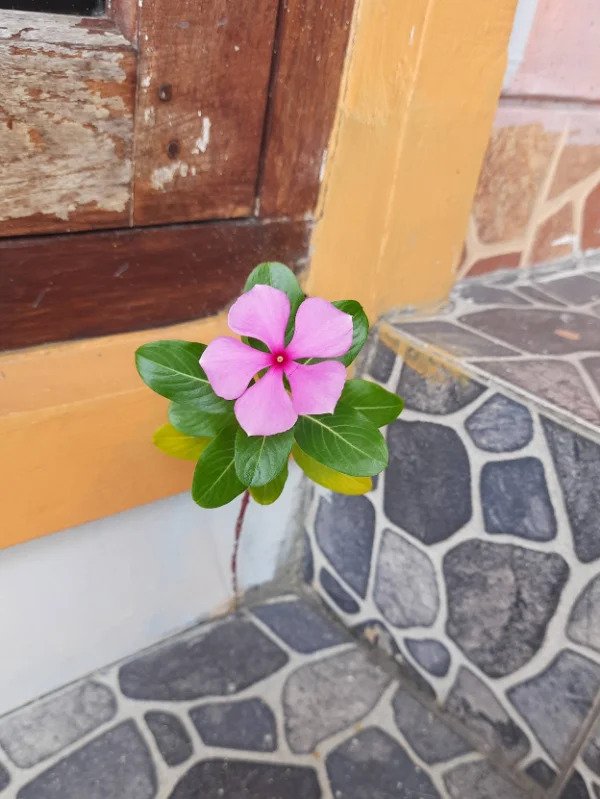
66,123
54,288
310,50
204,73
125,16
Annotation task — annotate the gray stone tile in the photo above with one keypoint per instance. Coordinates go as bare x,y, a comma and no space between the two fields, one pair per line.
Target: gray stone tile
428,735
552,380
577,289
114,765
591,751
43,728
432,655
204,663
344,529
371,764
474,705
584,622
482,294
592,367
300,625
456,340
537,330
515,499
500,600
500,425
338,593
308,563
247,724
537,295
542,773
480,781
556,702
325,697
244,779
405,589
382,363
575,788
577,461
424,455
170,735
440,392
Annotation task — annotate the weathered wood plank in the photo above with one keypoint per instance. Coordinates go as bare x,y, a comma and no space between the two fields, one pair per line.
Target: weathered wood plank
66,123
311,45
54,288
124,13
204,72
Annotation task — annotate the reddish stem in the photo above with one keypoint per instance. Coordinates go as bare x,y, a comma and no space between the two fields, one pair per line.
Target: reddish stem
236,544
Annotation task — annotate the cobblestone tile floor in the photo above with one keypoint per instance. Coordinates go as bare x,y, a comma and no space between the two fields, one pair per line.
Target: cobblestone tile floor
276,702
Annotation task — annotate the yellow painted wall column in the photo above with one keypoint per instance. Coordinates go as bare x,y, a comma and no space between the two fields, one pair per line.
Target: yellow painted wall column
421,85
420,91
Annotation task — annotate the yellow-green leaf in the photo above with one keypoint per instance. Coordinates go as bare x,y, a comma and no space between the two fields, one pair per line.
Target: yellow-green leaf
329,478
179,445
267,494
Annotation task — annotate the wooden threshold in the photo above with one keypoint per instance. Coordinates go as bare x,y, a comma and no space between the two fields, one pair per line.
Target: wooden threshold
63,287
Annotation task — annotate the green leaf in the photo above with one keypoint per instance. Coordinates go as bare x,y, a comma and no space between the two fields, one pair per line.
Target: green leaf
267,494
173,442
171,369
215,481
272,273
360,324
345,441
195,422
330,478
258,459
376,403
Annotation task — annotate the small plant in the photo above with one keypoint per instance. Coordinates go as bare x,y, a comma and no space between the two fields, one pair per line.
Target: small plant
242,408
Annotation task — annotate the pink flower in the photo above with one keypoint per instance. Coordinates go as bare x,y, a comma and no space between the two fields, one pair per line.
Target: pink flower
266,407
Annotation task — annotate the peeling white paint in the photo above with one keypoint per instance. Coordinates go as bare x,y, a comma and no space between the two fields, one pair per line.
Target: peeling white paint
569,238
150,116
40,298
163,175
146,81
120,271
54,162
202,142
323,166
236,47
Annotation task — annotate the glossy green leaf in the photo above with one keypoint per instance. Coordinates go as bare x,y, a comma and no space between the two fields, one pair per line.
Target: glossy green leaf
258,459
178,444
195,422
267,494
215,481
345,441
171,369
272,273
378,404
329,478
360,324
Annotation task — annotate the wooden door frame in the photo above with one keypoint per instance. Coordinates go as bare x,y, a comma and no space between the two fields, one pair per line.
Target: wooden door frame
59,287
75,424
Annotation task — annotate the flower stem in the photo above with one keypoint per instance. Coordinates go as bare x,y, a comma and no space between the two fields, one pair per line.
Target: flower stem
236,545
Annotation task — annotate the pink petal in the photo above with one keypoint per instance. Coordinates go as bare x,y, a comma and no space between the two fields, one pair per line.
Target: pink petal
230,365
261,313
322,331
317,387
266,407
